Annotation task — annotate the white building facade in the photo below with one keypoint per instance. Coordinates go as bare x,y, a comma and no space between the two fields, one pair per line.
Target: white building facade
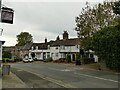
58,49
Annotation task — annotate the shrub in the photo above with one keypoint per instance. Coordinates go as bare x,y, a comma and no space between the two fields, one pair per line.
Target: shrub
106,44
48,59
68,58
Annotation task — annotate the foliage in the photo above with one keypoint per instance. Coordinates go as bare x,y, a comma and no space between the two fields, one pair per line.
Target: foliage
86,43
116,10
106,44
93,19
7,54
24,38
77,56
68,57
116,7
49,59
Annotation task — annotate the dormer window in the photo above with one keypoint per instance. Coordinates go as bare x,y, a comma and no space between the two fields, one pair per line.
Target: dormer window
48,46
36,47
32,48
56,47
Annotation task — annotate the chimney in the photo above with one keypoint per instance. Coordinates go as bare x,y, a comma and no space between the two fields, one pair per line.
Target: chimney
58,38
65,35
45,40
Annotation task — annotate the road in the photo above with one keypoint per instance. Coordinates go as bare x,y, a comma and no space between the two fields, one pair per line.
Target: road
64,76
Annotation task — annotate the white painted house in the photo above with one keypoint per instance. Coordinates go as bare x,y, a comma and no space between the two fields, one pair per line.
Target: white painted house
57,49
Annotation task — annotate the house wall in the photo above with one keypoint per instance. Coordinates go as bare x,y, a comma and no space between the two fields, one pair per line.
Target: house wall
69,48
56,52
23,53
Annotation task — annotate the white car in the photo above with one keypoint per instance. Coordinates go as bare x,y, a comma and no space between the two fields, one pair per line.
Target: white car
30,60
25,60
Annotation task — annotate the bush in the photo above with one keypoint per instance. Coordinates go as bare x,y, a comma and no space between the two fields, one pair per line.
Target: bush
7,60
17,59
106,44
7,54
88,60
48,59
68,59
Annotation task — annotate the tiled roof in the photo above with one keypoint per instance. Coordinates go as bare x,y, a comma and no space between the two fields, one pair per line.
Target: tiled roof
44,46
66,42
27,46
40,45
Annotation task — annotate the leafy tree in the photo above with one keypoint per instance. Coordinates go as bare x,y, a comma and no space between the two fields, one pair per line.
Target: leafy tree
24,38
107,46
93,19
116,10
116,7
7,54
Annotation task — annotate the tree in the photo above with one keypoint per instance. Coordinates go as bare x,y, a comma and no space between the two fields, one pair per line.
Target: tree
116,10
107,46
93,19
116,7
24,38
7,54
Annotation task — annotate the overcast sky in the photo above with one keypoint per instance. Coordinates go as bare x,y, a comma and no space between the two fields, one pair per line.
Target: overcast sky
42,19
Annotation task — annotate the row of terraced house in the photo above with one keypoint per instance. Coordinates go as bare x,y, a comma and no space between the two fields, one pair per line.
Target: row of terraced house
57,49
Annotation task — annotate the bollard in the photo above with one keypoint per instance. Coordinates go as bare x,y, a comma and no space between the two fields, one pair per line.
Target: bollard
5,69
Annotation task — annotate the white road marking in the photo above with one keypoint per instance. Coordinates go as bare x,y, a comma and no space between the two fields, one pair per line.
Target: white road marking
19,70
66,70
97,77
54,69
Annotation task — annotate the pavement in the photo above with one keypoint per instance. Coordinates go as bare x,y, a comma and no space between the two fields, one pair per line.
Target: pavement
12,81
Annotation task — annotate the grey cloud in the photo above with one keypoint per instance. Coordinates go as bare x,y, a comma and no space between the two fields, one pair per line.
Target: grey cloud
40,18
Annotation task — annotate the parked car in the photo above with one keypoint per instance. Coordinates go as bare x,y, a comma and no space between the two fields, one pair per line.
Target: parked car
30,60
25,60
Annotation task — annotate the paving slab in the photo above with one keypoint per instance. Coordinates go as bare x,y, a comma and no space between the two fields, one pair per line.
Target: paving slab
12,81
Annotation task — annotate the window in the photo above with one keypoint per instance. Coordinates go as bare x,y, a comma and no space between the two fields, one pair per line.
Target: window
56,47
48,46
91,55
32,48
56,54
77,46
48,55
36,47
63,47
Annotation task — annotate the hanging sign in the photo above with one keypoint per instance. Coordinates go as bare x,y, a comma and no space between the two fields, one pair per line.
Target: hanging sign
7,15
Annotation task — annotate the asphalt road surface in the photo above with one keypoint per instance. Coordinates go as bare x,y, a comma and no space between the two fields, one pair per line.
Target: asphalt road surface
32,80
63,76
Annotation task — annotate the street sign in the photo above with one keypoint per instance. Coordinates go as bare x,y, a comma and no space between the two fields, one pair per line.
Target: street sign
7,15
